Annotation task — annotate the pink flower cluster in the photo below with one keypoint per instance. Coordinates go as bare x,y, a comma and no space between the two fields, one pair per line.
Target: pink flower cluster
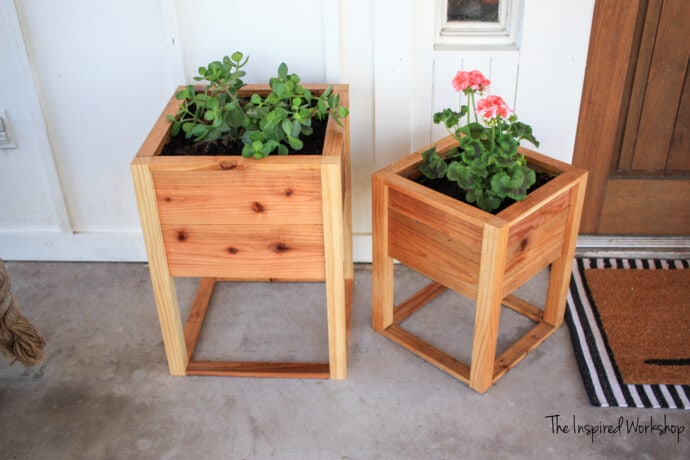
493,106
473,80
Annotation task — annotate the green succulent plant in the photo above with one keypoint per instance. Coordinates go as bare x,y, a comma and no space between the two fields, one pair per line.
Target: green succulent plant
263,124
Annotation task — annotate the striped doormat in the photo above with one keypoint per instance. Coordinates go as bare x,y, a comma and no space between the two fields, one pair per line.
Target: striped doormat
630,338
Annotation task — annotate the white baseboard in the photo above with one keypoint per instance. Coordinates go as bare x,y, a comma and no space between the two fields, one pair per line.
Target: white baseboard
117,246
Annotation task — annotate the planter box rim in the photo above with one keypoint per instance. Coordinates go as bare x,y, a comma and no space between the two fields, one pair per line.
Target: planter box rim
565,177
152,145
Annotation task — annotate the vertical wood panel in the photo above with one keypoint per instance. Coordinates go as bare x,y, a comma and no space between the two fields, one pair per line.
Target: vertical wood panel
604,96
664,88
163,284
679,152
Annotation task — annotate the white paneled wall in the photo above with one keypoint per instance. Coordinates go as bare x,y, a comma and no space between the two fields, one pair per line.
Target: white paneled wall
83,81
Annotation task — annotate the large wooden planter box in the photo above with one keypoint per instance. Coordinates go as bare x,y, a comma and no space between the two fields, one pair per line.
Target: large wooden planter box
227,218
483,256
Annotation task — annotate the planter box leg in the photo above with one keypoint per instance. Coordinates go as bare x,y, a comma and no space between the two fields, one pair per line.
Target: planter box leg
489,298
561,269
334,246
383,282
163,285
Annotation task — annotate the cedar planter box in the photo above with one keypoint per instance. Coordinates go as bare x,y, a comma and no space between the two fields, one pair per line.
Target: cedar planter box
228,218
480,255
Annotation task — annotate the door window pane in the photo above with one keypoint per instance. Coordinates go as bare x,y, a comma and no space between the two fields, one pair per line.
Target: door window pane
473,10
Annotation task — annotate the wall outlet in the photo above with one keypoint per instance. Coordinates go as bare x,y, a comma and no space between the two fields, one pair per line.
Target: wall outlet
6,138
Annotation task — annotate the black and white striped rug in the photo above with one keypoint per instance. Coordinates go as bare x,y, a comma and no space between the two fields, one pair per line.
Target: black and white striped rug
600,375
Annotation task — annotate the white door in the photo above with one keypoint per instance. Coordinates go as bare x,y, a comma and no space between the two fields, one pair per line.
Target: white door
80,71
533,51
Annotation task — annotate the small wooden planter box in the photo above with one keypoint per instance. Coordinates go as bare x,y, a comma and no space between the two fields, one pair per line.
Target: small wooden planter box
227,218
480,255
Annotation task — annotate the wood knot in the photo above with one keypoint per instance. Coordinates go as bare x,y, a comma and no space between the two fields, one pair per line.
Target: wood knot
279,247
523,244
182,235
233,250
288,192
257,207
227,166
167,199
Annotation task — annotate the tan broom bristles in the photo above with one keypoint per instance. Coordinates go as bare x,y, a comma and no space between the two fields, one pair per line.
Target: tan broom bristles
19,340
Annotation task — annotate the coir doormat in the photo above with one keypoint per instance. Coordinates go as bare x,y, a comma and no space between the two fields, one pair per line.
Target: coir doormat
630,324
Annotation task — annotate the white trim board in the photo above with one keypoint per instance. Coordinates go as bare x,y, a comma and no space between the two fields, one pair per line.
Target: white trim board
113,246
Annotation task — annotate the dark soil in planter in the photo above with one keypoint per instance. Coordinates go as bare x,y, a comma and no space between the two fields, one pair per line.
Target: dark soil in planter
178,145
449,189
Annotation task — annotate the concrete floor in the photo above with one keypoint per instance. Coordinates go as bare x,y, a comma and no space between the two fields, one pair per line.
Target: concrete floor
105,392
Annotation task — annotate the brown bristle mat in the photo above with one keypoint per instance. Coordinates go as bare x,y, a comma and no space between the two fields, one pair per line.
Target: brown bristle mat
646,318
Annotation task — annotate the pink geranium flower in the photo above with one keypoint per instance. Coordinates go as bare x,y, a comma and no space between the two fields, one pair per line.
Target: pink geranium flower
493,106
470,81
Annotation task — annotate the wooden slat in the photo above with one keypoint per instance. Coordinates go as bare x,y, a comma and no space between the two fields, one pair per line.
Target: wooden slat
382,274
417,301
664,88
451,262
334,247
489,297
244,252
259,369
452,222
535,251
163,285
561,268
604,97
253,197
195,320
408,197
521,348
639,84
438,358
679,150
524,308
235,163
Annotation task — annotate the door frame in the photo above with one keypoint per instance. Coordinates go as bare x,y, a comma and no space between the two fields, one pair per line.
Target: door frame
611,63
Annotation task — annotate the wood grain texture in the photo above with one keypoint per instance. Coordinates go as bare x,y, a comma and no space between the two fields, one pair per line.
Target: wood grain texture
240,195
382,273
259,369
517,352
667,76
480,255
246,252
231,218
561,268
163,285
418,300
195,320
489,297
634,204
334,247
438,358
604,98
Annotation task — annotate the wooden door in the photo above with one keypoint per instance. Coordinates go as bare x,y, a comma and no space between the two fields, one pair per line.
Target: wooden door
633,129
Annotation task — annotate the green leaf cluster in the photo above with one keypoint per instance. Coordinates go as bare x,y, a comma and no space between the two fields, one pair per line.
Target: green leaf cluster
486,165
263,124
